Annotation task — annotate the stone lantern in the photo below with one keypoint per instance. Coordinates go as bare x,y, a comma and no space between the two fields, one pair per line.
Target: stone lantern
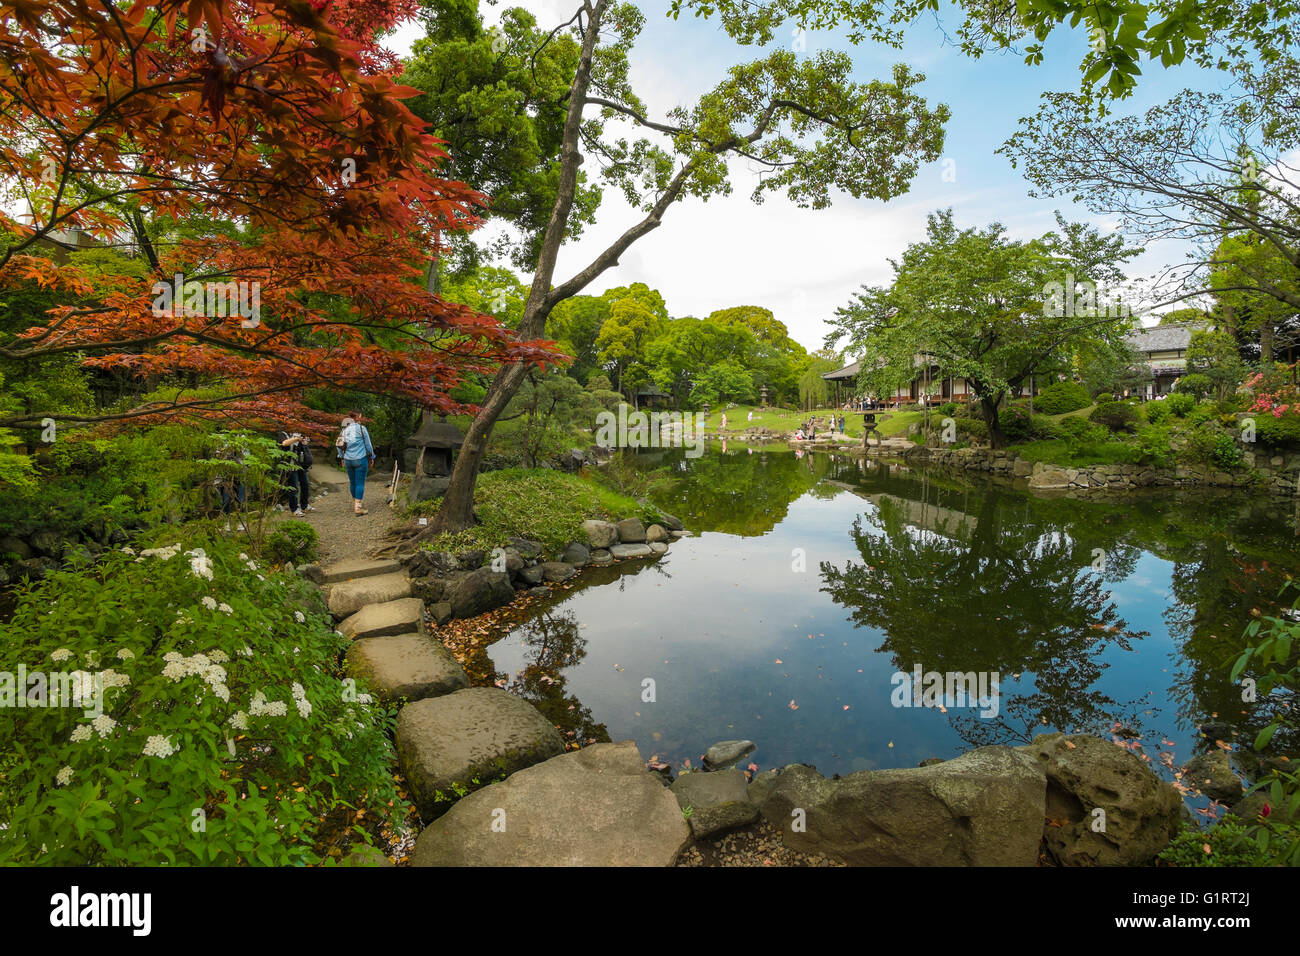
429,455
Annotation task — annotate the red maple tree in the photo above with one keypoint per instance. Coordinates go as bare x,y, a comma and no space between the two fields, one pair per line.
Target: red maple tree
276,118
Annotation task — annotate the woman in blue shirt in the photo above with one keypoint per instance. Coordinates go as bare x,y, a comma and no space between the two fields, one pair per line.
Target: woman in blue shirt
358,456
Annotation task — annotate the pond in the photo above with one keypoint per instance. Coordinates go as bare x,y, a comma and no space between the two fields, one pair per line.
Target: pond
812,582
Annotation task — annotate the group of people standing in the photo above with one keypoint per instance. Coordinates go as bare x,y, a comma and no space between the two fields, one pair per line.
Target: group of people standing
355,452
808,430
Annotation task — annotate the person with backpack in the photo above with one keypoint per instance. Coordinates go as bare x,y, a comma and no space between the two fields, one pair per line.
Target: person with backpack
358,455
295,473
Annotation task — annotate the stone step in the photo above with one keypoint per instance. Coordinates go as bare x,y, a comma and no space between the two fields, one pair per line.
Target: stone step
410,666
348,597
403,616
593,807
468,740
358,568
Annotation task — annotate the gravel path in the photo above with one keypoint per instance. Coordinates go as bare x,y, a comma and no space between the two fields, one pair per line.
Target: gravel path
344,534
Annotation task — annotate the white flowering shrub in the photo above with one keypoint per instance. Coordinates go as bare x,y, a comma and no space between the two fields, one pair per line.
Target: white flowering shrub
224,733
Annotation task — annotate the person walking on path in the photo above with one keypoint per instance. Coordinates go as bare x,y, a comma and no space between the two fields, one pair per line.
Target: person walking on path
295,473
358,456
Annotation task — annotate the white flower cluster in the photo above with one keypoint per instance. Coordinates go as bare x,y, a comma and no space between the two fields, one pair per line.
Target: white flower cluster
299,617
125,653
159,746
64,777
300,700
239,721
112,678
252,565
178,667
165,554
273,708
81,732
200,563
209,602
127,549
103,725
62,654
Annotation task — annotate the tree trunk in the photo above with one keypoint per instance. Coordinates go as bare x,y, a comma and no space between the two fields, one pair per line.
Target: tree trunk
1266,341
989,406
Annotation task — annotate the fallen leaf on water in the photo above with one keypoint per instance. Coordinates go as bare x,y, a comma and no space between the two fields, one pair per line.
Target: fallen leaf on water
846,706
778,661
793,705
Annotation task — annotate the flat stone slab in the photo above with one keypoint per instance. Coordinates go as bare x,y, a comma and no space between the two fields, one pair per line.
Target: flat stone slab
410,666
358,568
593,807
468,740
404,616
622,551
725,753
348,597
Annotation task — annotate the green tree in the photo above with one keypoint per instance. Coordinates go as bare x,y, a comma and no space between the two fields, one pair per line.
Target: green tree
804,121
980,307
1214,354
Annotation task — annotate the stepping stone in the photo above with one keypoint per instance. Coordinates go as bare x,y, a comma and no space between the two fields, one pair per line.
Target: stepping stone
359,568
467,740
622,551
348,597
410,666
378,620
594,807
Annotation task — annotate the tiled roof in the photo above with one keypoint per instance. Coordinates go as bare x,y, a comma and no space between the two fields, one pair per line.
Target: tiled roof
1163,338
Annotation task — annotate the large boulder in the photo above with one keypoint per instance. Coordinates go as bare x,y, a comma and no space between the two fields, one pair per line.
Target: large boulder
351,568
594,807
656,532
427,488
405,666
557,572
480,591
984,808
1085,773
576,554
717,801
624,551
631,531
467,740
600,534
348,597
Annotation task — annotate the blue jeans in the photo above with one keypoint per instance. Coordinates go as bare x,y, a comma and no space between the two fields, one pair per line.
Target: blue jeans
229,501
299,490
357,476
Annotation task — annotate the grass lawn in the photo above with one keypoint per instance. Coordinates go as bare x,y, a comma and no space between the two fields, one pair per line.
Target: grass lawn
540,504
1056,451
787,420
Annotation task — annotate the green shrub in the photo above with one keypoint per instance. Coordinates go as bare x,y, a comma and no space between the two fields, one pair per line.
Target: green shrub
1076,428
1117,416
947,409
974,427
1061,397
223,735
1180,403
1209,446
1015,423
1153,447
1230,843
292,542
1197,385
1156,412
1101,398
1283,432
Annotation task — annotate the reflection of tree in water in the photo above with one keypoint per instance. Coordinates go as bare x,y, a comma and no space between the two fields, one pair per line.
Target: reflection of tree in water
552,642
739,493
995,590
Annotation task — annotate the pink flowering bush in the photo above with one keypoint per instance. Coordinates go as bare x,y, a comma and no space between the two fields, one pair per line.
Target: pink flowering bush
188,711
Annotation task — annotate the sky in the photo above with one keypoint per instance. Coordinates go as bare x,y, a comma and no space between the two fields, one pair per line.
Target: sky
803,264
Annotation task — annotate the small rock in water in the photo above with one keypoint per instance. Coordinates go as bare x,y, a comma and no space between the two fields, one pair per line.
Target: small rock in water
726,752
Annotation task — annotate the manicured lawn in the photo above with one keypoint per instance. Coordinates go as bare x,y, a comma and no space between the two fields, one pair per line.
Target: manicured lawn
1057,452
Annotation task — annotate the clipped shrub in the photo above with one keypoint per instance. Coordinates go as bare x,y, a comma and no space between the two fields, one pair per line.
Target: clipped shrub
1197,384
1102,398
1061,397
292,542
947,409
191,686
1117,416
1180,403
973,427
1076,428
1156,412
1015,422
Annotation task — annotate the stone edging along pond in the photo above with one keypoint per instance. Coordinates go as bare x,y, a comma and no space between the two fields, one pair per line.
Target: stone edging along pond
1274,474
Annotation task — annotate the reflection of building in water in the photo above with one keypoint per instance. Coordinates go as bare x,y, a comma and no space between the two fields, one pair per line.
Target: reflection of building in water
928,517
